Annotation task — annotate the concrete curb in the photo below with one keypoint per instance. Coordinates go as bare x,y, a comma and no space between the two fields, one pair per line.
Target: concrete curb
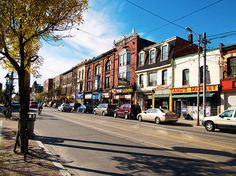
62,169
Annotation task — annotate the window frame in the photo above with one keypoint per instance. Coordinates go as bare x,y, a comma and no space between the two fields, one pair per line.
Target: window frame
164,81
149,79
108,66
164,55
152,50
141,63
185,77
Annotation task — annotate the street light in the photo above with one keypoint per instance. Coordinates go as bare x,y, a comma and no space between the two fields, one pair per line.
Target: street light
189,30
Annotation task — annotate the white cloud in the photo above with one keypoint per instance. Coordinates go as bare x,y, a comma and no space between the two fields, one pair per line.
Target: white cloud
95,36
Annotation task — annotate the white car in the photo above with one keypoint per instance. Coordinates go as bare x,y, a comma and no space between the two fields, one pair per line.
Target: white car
64,108
157,115
225,120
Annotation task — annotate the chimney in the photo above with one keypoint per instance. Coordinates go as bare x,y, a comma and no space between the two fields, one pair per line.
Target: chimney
190,38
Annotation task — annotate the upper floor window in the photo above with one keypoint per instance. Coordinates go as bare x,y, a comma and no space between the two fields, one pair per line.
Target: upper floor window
89,73
164,77
108,66
97,70
124,58
164,53
107,82
82,74
231,64
79,74
185,78
152,56
128,76
141,59
152,79
208,79
141,80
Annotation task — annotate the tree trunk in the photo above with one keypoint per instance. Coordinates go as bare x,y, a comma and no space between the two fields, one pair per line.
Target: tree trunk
24,91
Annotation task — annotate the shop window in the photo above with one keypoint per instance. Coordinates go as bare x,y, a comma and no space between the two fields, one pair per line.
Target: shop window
152,79
185,77
164,77
231,64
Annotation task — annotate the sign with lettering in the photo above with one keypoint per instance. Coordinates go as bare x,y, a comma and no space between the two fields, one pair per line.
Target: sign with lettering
209,88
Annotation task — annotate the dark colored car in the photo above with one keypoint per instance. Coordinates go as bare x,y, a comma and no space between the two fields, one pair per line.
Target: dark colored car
33,104
127,111
105,109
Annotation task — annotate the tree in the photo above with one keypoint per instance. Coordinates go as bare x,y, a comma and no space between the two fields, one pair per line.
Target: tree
23,25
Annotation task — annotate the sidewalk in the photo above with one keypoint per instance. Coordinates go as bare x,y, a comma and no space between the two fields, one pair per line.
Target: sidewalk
39,160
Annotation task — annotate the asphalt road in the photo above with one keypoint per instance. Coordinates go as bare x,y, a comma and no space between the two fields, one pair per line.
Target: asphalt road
96,145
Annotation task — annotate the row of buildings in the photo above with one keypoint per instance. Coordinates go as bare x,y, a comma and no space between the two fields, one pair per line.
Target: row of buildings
143,72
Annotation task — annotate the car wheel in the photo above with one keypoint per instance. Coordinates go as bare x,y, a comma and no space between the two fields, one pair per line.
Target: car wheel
157,120
103,113
126,116
115,115
139,118
210,126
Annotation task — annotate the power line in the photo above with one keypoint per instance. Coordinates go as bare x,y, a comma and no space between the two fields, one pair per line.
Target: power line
156,15
185,16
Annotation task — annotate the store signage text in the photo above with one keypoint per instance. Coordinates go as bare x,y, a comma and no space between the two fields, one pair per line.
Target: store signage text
209,88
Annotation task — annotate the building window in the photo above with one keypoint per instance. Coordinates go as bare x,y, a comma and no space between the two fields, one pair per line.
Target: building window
107,82
231,64
152,79
89,73
141,80
164,77
152,56
141,59
88,86
128,58
164,53
128,76
97,70
185,78
95,84
82,74
79,74
108,66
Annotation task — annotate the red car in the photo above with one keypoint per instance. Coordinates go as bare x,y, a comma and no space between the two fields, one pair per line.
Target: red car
127,111
33,104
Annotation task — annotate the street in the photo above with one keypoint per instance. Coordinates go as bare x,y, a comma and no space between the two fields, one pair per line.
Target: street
97,145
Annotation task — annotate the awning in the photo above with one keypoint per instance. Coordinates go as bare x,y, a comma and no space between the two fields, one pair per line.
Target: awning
191,95
162,95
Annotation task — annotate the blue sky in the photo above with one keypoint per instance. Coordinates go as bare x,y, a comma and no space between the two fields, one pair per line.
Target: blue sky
107,20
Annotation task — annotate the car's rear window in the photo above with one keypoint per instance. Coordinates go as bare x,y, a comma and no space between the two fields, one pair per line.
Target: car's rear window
112,106
165,110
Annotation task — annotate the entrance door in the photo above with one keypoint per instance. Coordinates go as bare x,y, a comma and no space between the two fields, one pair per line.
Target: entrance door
178,108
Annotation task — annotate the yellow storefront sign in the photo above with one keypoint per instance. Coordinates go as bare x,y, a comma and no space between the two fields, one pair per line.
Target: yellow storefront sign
209,88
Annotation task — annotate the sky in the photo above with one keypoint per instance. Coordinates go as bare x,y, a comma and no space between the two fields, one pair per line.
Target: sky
156,20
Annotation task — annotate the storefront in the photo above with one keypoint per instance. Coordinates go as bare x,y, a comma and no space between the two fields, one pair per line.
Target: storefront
80,97
87,98
122,95
228,95
185,101
106,98
96,98
162,94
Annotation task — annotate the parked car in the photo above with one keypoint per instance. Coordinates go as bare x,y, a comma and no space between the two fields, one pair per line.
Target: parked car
127,111
105,109
15,106
33,104
224,121
157,115
81,108
64,107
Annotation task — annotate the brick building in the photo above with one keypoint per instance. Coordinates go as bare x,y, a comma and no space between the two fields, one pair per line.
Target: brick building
48,85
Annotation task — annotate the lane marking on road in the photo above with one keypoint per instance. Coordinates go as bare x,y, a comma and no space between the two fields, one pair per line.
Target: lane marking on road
188,139
184,155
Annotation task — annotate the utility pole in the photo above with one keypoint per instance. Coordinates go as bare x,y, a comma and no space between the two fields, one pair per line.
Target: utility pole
198,67
204,41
